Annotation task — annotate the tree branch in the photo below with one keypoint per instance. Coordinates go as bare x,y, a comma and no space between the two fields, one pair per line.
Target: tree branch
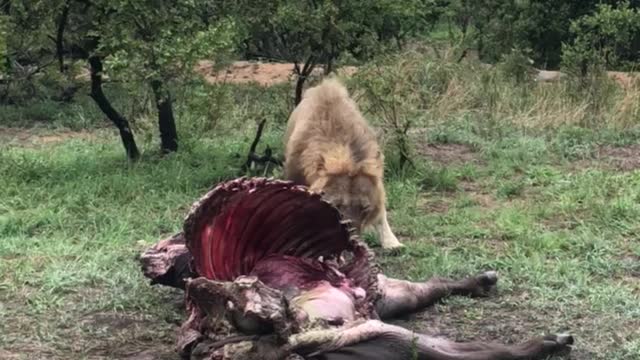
253,158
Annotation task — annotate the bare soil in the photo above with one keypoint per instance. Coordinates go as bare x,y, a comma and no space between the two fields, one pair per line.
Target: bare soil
480,196
433,205
132,335
35,137
624,158
611,158
262,73
243,72
448,154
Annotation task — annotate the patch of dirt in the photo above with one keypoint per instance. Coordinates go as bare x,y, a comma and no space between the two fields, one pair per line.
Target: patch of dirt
563,221
7,355
265,74
474,191
480,196
35,137
624,158
447,154
153,354
497,245
113,321
559,222
499,319
486,201
612,158
631,276
98,335
122,335
243,72
433,205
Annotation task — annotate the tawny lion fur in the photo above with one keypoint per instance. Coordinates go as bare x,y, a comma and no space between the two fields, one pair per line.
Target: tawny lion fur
331,148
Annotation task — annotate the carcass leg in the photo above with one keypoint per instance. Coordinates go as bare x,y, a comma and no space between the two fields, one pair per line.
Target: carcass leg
374,340
401,297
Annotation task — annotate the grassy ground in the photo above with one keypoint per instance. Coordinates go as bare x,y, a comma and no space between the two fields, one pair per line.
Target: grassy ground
555,212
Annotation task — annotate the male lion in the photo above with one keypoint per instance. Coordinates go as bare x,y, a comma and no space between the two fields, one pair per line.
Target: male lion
331,149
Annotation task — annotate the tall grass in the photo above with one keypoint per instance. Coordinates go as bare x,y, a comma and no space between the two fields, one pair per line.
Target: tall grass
438,90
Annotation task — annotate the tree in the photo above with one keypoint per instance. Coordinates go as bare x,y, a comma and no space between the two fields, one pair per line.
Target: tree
541,26
25,26
158,42
610,38
313,32
154,42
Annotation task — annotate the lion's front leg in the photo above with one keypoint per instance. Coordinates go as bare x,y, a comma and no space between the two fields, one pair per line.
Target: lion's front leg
388,239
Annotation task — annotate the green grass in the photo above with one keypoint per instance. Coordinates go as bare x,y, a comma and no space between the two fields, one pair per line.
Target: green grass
74,216
564,240
559,225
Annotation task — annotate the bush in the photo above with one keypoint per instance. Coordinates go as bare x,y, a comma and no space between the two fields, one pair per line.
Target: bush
481,99
609,39
398,90
517,65
499,26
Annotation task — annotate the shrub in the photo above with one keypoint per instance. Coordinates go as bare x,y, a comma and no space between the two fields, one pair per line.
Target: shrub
609,38
499,26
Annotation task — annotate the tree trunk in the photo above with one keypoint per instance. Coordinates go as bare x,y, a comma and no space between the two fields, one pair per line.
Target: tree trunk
103,103
62,23
329,67
166,121
302,77
299,88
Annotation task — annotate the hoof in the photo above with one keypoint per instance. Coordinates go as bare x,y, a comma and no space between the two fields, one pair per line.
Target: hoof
558,343
560,339
488,278
485,283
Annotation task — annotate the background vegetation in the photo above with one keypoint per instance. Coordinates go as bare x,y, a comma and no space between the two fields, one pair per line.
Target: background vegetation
488,166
